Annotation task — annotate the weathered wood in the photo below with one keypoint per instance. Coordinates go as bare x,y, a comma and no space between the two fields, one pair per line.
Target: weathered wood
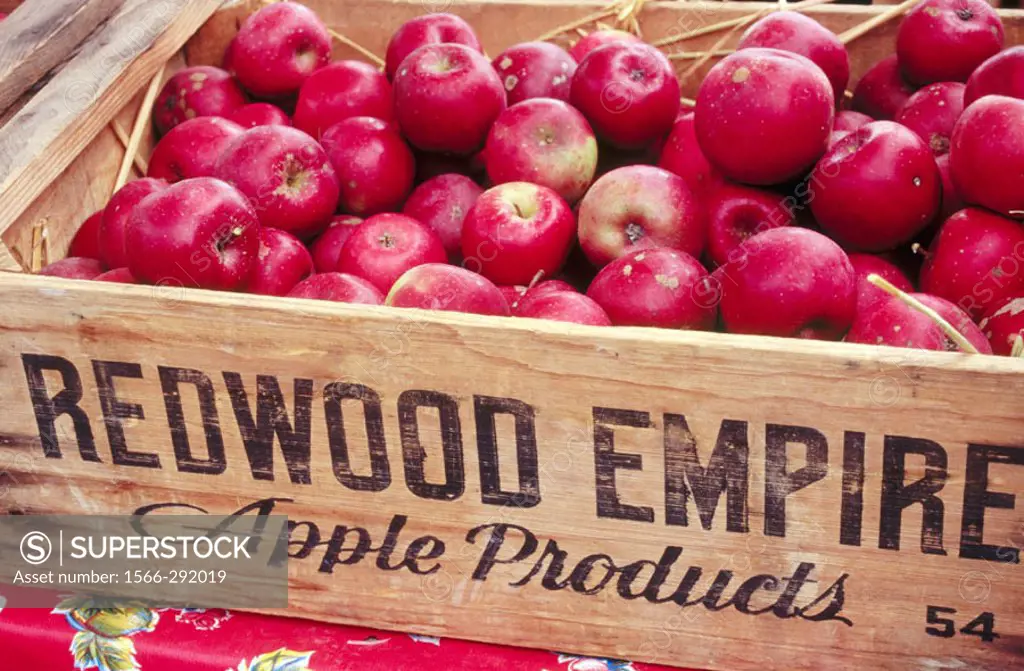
83,187
7,261
38,36
603,488
47,134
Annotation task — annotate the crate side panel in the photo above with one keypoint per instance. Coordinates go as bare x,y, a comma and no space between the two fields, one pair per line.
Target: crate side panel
609,421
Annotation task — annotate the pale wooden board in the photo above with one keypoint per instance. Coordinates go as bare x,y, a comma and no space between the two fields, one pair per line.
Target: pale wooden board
33,39
7,261
46,135
562,372
83,187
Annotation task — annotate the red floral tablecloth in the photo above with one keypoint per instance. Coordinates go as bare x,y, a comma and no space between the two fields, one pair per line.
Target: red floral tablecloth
219,640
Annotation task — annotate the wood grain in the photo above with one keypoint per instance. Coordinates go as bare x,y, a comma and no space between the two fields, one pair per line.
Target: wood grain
83,187
36,37
46,135
561,373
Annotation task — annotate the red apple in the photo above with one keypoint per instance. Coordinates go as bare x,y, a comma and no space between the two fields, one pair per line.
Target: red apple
763,116
433,28
439,286
198,91
789,282
932,112
516,293
442,203
387,245
515,230
375,167
535,70
563,306
638,207
512,294
847,120
338,287
682,155
326,248
114,227
976,260
446,98
628,92
287,176
882,91
986,155
548,286
876,188
654,287
117,276
737,212
945,40
1004,324
867,264
260,114
281,263
599,38
952,201
199,232
278,48
191,149
73,268
546,142
800,34
1001,75
894,323
87,238
340,91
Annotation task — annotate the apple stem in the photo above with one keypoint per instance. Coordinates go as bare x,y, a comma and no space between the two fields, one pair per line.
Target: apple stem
908,300
917,249
687,102
1018,347
863,28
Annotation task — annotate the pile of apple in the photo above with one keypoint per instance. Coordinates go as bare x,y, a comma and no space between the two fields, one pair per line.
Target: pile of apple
569,185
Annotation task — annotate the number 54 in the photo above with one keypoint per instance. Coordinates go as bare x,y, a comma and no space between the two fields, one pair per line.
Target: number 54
982,626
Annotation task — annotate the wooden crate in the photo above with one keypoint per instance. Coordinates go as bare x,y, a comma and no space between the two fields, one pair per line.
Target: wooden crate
702,499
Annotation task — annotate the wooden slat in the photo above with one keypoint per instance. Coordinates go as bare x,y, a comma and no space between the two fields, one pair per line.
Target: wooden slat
39,35
83,187
557,375
7,262
60,121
